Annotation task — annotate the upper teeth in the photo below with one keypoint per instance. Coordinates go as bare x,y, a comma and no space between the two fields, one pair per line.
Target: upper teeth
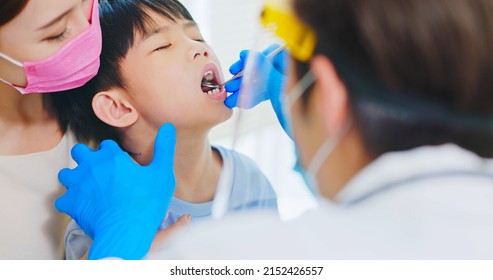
209,76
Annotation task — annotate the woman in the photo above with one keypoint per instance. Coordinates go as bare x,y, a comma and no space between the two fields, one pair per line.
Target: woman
45,46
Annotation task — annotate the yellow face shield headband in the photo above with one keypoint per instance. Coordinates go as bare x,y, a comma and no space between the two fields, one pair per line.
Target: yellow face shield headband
300,40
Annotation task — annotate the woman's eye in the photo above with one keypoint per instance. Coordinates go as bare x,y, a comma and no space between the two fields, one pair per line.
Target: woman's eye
199,40
162,47
59,37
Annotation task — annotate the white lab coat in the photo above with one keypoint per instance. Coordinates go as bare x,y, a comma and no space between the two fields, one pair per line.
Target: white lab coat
427,203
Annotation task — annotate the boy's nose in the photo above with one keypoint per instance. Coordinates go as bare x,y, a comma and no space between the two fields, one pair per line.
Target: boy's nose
199,50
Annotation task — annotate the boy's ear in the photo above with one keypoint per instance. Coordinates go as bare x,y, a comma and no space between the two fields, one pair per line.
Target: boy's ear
114,109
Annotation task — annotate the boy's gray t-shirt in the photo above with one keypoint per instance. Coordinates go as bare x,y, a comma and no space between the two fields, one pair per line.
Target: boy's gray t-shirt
249,188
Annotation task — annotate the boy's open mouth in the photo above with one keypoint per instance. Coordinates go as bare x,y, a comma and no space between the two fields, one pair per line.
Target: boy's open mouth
209,83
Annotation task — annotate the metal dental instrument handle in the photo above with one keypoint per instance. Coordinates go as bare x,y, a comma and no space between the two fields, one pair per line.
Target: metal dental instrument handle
269,56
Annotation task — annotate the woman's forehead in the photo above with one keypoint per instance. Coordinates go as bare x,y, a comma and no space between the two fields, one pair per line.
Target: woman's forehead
40,13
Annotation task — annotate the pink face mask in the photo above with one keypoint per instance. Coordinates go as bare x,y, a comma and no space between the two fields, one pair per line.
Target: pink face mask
71,67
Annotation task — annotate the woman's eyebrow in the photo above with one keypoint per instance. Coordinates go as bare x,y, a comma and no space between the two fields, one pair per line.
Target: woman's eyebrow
55,20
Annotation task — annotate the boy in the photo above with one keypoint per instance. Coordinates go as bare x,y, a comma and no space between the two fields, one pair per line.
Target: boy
153,64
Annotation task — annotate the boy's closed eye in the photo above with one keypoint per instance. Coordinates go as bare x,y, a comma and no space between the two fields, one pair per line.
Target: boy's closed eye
162,47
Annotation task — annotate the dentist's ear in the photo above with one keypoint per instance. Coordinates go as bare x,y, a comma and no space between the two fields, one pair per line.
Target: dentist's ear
334,94
114,109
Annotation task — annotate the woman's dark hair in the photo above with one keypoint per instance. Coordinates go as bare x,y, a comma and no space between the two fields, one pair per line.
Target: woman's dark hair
9,9
418,72
121,20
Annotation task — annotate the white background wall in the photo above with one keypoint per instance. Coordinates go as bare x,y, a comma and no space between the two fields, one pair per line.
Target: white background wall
230,26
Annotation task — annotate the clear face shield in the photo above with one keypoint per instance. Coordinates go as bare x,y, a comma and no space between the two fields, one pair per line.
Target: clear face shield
258,131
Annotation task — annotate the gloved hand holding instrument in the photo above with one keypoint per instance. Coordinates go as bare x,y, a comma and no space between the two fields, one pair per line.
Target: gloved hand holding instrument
271,65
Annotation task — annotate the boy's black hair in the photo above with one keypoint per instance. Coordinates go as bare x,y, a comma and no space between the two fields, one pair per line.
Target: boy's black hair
120,20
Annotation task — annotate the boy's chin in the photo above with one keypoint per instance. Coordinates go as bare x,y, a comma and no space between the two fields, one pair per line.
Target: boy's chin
228,113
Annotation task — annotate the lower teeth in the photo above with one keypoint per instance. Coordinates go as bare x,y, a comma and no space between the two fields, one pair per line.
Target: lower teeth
211,92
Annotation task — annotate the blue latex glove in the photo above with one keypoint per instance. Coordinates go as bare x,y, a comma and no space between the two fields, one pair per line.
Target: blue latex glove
273,73
117,202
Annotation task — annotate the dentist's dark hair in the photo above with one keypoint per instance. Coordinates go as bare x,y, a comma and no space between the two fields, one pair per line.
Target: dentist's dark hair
417,72
120,20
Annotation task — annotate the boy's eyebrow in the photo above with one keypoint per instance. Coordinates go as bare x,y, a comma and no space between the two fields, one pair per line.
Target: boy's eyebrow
151,32
189,24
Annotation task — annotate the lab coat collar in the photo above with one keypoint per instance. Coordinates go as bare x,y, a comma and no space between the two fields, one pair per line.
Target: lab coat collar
423,161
